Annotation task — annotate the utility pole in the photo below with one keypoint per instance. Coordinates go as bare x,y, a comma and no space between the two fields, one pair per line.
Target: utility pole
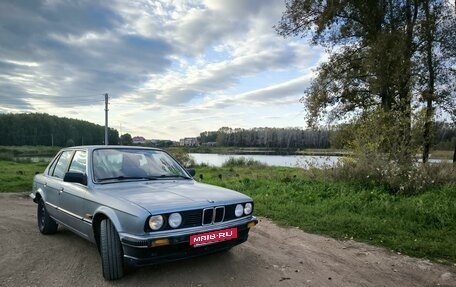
52,139
120,133
106,118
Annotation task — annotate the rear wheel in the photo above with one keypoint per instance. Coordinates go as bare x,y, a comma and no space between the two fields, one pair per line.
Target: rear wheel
46,224
111,251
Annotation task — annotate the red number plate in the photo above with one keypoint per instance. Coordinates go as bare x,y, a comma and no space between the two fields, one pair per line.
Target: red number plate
214,236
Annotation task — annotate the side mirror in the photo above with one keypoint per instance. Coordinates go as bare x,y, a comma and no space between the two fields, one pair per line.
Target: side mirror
76,177
191,171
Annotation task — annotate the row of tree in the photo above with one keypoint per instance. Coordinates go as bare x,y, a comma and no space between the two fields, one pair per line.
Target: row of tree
339,137
268,137
47,130
391,64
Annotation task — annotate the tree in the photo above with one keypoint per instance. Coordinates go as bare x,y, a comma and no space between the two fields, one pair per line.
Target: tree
47,130
126,139
374,50
208,136
435,56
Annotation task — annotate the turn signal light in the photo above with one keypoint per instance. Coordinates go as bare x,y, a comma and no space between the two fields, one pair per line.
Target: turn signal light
159,242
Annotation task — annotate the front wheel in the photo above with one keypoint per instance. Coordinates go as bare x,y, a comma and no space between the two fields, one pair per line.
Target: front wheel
46,224
111,251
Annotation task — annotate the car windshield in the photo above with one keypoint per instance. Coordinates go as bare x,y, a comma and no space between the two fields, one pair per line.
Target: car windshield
134,164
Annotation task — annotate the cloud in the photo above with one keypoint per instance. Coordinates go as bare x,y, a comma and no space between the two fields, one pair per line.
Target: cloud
77,50
160,60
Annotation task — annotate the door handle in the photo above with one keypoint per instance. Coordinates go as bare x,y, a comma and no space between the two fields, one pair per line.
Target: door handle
61,190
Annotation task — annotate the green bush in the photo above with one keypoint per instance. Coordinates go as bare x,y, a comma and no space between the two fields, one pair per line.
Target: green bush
242,161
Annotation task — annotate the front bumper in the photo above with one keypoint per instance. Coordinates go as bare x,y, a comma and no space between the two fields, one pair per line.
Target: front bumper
138,250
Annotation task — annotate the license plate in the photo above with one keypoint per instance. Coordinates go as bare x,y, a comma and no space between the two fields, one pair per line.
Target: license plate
213,237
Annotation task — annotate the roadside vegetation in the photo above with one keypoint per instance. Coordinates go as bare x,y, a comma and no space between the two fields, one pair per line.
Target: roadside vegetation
422,225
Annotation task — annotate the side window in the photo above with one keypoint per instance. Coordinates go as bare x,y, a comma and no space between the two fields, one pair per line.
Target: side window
51,168
79,162
62,164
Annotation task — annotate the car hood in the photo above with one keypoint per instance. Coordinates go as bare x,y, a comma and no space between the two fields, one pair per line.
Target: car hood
175,195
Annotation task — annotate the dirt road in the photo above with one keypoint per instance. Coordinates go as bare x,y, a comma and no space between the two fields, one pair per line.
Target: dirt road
273,256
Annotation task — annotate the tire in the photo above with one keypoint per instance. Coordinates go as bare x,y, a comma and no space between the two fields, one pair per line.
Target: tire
46,224
111,251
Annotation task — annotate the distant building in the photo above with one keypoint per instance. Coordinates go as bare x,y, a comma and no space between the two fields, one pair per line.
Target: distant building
138,140
188,142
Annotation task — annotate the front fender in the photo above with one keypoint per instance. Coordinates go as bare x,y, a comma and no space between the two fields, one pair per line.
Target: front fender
106,212
123,222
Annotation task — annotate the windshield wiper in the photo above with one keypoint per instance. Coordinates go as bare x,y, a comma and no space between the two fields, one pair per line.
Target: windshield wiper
121,177
174,176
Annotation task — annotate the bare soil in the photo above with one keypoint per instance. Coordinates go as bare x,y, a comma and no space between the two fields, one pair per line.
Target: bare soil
273,256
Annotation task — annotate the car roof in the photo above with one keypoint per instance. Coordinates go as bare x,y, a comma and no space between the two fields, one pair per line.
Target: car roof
94,147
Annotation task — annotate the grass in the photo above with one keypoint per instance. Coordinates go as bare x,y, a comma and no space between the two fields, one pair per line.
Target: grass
18,176
422,225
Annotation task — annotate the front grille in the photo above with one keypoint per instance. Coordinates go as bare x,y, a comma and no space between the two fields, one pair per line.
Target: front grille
208,215
191,218
213,215
199,217
219,214
229,212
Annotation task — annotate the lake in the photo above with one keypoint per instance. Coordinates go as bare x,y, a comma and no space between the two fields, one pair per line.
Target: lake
303,161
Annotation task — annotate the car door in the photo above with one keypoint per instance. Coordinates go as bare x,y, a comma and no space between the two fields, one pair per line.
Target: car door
73,196
53,184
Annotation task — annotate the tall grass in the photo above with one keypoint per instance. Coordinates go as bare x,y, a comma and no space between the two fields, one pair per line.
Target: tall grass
401,179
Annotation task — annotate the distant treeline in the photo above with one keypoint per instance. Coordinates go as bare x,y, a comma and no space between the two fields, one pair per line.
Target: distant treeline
443,137
47,130
267,137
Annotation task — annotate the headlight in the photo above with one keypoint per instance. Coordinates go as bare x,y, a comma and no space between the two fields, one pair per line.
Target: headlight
248,208
174,220
156,222
239,210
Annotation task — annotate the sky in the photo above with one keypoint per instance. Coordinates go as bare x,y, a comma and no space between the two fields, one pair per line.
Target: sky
172,69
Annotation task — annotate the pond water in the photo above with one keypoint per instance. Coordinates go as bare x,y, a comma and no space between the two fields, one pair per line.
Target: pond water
303,161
